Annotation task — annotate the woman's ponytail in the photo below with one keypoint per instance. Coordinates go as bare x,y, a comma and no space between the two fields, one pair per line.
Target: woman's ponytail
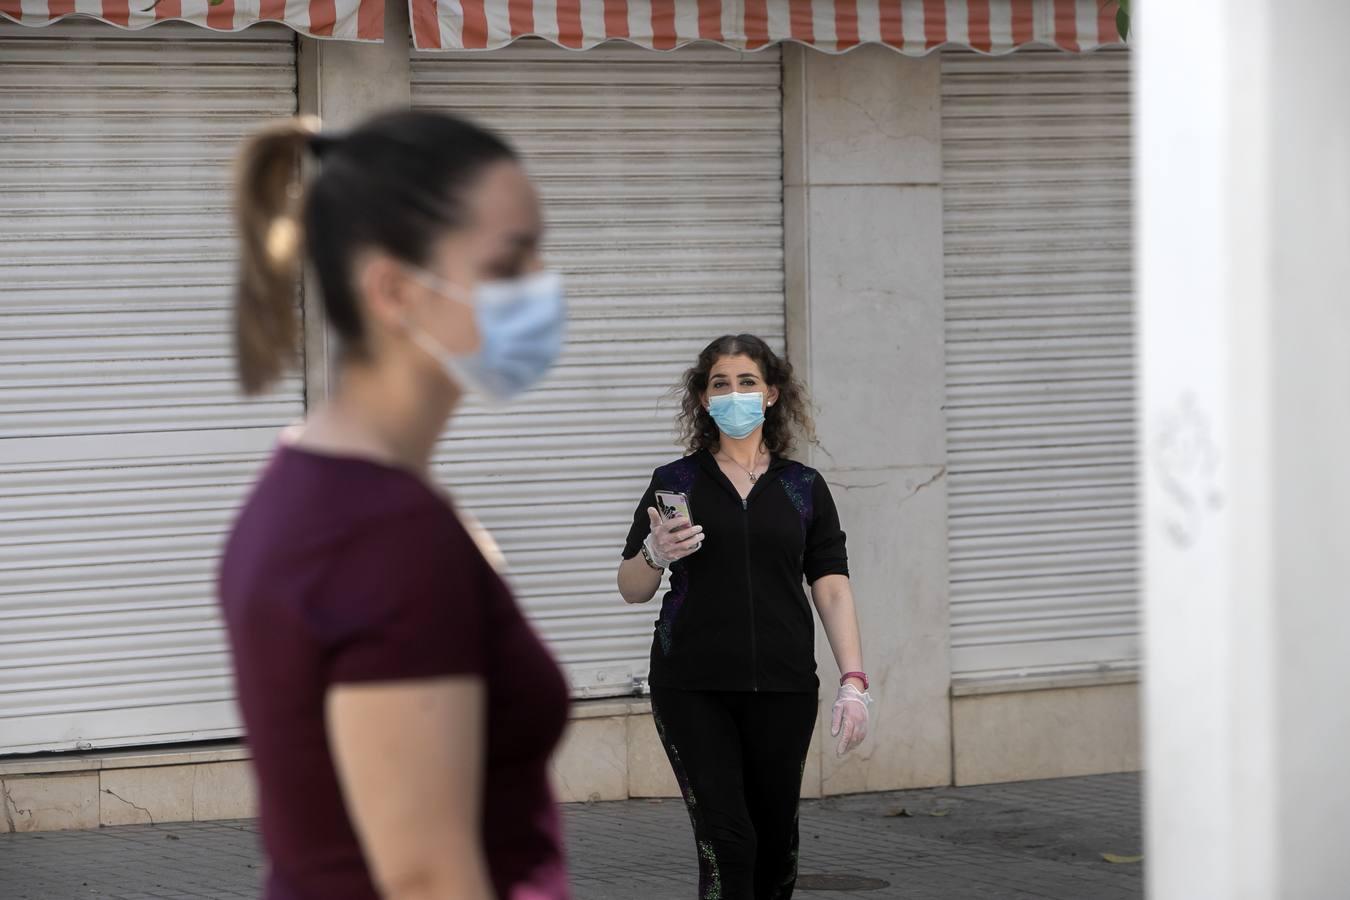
396,185
267,208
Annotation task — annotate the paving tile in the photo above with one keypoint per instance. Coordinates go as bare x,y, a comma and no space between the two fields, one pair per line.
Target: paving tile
1004,842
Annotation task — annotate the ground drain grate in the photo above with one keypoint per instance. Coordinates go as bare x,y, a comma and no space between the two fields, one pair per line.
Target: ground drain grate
840,883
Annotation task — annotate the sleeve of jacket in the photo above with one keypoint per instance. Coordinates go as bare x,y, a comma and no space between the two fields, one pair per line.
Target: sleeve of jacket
642,524
826,551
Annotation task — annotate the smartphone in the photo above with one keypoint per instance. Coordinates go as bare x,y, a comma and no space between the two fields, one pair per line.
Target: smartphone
672,505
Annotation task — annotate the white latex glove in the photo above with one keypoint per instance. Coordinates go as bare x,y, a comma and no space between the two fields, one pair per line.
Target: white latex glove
851,717
671,540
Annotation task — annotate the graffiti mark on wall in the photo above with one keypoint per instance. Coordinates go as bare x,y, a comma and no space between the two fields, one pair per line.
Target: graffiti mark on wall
1186,459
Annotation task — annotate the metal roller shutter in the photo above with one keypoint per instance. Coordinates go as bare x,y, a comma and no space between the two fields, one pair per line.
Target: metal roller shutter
124,447
1040,358
662,179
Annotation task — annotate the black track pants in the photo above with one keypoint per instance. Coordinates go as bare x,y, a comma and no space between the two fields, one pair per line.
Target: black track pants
739,759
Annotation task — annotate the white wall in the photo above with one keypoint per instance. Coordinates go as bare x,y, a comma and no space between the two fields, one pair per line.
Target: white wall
1243,149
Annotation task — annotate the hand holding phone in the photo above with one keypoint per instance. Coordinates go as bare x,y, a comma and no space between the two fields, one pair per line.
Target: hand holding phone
673,535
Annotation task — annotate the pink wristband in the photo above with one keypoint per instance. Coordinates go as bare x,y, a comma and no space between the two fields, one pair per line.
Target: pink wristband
861,676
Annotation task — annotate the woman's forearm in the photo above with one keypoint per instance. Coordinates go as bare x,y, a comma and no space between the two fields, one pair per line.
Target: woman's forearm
833,597
409,755
461,872
638,581
463,877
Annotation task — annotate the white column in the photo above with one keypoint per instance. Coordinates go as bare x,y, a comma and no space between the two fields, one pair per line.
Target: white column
863,197
1243,148
343,82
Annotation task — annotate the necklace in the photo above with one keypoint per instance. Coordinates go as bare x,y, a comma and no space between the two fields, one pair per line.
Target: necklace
754,464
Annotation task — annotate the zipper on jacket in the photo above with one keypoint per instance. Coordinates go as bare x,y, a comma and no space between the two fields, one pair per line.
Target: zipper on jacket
750,589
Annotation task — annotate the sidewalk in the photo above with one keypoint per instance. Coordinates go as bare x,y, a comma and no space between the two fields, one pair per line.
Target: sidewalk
1033,839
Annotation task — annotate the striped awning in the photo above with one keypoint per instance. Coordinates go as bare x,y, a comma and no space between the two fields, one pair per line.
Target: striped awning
352,20
913,27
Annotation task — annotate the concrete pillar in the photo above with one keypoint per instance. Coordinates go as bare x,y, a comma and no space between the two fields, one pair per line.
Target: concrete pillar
862,170
1243,149
342,83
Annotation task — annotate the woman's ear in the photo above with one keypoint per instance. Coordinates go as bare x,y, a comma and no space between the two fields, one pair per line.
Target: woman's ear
772,396
384,288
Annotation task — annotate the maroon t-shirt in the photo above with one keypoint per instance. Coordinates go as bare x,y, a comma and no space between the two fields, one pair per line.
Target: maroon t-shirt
341,571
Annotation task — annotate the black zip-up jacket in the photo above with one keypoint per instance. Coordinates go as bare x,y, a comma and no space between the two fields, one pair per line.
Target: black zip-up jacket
736,617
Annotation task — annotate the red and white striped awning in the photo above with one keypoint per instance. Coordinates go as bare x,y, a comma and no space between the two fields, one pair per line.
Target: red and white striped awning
913,27
352,20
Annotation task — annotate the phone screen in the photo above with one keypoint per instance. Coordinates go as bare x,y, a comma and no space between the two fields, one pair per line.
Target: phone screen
670,505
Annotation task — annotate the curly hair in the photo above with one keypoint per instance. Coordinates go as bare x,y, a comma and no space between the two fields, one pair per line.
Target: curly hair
784,422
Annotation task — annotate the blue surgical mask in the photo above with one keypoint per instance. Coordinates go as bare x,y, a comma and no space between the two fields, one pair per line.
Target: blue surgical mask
737,415
521,323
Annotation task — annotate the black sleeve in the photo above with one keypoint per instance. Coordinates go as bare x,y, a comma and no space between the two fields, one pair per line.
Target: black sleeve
826,553
642,523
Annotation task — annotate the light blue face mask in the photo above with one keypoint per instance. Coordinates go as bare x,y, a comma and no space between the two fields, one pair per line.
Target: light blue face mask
737,415
521,323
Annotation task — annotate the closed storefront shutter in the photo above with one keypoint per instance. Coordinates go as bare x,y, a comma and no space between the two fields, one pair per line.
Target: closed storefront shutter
662,180
124,447
1040,356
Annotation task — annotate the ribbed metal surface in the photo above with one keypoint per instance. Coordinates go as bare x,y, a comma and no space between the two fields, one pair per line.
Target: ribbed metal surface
662,179
124,445
1040,335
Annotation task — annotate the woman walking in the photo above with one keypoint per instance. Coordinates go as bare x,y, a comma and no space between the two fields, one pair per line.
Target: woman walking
733,671
399,709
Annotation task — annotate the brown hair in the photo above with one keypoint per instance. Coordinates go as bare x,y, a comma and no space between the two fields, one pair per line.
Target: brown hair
788,419
395,184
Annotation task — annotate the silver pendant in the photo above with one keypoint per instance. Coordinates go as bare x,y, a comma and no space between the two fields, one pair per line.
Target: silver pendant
753,478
